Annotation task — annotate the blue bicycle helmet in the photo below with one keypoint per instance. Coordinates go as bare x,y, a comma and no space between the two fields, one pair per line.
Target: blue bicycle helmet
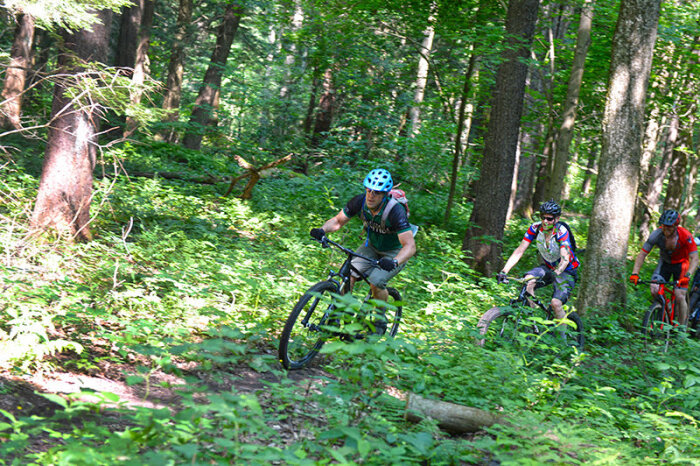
669,218
379,180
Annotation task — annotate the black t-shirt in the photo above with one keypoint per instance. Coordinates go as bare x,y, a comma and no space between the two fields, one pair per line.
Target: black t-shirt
382,239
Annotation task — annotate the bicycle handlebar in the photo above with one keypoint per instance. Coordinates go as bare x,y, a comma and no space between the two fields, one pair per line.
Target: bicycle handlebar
524,279
652,282
347,251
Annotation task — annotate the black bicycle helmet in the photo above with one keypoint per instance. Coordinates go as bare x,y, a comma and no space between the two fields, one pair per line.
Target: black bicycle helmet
670,218
550,208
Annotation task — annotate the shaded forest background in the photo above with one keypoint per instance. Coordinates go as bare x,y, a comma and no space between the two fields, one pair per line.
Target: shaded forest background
189,147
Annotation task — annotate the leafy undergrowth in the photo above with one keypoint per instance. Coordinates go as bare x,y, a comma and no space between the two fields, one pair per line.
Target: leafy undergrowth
167,325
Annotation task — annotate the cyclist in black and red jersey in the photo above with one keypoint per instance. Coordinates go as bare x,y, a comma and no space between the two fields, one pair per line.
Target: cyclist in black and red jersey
560,264
389,235
678,258
694,297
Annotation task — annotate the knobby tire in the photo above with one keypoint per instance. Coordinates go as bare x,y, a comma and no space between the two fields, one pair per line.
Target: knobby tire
304,333
497,324
655,325
501,325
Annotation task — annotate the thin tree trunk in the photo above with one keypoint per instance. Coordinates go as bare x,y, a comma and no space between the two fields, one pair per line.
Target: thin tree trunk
651,199
676,179
591,169
421,79
65,189
207,101
652,135
566,130
176,69
603,276
457,155
324,114
141,59
482,240
528,142
16,72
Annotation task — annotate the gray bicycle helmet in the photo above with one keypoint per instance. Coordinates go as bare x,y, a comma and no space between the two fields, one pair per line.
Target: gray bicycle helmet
669,218
550,208
379,180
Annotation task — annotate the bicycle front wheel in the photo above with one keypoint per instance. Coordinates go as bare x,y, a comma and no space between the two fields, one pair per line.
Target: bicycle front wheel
306,329
655,323
395,320
498,325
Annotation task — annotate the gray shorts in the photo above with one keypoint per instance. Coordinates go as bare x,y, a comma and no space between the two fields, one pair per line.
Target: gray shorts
375,275
564,284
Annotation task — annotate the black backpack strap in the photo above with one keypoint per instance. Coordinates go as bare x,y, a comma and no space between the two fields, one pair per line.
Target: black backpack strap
571,234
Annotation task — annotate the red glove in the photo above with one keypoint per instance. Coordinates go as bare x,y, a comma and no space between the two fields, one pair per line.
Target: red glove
683,282
634,278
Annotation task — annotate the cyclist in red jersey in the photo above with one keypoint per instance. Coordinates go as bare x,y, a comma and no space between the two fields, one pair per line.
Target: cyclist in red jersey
678,258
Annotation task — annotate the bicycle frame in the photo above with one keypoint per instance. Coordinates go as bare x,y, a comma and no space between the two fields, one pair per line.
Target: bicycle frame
345,270
668,304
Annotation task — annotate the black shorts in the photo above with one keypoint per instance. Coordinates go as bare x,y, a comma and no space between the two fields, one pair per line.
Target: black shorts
664,271
564,284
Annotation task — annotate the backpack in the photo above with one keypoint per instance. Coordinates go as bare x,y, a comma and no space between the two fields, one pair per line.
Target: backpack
396,196
572,240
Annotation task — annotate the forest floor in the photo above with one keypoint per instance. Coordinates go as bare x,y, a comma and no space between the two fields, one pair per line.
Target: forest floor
25,395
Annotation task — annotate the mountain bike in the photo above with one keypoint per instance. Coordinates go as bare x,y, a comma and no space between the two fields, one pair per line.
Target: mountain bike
658,322
328,310
525,317
694,310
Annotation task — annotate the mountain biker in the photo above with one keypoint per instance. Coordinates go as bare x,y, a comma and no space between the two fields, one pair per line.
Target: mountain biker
560,264
694,298
678,258
390,241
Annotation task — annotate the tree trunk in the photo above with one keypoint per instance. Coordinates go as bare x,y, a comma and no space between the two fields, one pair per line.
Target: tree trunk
65,188
127,41
651,199
421,79
528,142
16,72
207,101
652,135
566,130
141,59
603,279
676,179
591,169
176,69
324,114
457,155
482,241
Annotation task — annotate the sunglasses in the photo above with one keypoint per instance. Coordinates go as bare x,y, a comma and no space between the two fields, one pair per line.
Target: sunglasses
548,218
375,193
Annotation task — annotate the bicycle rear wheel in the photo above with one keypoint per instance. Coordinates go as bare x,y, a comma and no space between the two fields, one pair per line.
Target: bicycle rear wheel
307,327
497,326
573,334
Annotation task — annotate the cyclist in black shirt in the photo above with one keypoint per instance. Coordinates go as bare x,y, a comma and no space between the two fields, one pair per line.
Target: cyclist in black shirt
389,236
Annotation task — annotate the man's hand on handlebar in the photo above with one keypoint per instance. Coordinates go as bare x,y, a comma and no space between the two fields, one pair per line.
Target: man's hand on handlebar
634,278
387,263
501,277
319,235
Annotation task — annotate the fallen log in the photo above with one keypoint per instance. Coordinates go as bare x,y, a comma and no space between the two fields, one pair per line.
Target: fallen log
451,417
